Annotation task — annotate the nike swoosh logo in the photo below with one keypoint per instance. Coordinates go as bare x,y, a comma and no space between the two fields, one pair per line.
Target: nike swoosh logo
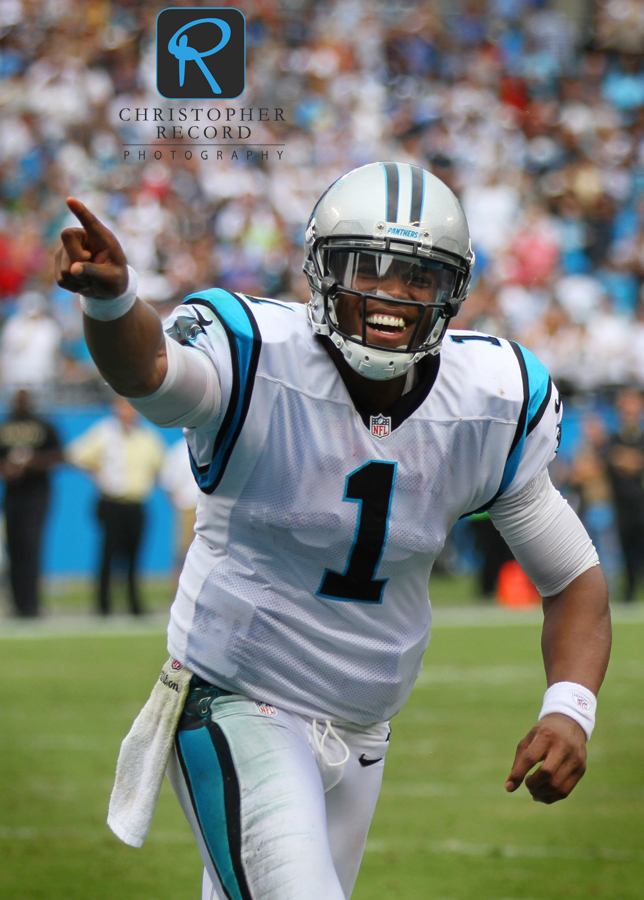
368,762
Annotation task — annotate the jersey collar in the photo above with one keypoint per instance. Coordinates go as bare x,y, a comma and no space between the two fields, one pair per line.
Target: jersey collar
427,372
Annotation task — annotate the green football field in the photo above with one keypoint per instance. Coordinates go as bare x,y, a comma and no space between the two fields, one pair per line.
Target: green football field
444,829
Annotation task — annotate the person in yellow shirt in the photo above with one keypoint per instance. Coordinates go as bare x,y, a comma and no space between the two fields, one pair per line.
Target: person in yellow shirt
124,458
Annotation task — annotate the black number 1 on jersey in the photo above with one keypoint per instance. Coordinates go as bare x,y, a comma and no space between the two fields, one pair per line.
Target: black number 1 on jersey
371,486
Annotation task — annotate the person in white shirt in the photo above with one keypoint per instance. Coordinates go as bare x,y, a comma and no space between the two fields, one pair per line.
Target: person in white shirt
30,345
335,445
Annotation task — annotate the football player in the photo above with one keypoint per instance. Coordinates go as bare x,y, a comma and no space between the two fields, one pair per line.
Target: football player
335,446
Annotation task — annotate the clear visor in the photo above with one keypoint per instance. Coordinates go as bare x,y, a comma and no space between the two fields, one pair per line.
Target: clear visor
395,275
389,300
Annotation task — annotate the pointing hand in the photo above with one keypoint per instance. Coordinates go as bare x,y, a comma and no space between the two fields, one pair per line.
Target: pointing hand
91,261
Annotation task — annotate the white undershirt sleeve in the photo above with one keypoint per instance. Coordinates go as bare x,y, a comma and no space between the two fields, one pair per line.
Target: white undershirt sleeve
190,396
549,542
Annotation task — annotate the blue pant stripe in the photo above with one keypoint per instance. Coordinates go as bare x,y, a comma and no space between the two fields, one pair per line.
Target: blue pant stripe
210,790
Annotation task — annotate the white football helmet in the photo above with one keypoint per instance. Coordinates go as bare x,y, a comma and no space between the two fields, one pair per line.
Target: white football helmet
380,222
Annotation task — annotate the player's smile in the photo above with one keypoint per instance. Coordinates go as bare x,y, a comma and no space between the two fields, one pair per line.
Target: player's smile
388,324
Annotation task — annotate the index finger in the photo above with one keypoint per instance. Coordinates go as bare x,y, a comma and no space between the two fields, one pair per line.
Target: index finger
91,224
531,750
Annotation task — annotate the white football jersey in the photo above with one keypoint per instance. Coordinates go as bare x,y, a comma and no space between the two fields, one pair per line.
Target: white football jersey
317,524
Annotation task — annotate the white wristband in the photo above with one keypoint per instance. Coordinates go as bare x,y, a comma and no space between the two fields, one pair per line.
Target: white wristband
572,700
106,310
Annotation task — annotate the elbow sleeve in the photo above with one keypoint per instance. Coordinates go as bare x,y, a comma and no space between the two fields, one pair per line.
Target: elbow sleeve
190,395
546,536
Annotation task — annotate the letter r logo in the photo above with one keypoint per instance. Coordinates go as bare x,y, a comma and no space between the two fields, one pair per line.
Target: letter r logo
201,53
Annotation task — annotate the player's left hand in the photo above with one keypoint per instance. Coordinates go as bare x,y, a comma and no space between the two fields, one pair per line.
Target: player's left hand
559,744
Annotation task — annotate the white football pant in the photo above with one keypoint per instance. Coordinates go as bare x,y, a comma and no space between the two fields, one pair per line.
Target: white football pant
280,804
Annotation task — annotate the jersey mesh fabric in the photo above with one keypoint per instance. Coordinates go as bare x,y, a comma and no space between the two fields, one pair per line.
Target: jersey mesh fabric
249,615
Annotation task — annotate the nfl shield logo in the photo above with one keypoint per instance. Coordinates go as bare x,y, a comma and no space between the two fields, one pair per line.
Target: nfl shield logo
581,702
380,426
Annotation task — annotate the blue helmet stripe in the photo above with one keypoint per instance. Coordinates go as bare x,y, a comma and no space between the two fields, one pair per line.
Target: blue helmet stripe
417,191
392,183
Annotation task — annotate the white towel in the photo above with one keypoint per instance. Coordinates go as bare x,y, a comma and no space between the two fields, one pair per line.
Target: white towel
144,756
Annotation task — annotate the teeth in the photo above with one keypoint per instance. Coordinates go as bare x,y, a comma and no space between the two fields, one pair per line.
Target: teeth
390,321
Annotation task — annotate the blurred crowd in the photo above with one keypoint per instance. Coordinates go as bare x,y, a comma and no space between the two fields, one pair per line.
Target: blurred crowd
602,477
532,111
604,480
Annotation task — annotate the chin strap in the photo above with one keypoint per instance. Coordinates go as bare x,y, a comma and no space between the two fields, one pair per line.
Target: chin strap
371,362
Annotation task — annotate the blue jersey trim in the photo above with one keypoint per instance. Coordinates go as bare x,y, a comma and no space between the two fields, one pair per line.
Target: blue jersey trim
534,421
244,341
536,389
540,387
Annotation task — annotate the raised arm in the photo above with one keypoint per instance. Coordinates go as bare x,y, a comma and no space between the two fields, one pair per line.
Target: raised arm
129,351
